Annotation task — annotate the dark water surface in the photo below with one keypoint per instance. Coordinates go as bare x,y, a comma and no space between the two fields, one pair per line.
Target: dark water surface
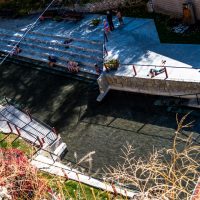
86,125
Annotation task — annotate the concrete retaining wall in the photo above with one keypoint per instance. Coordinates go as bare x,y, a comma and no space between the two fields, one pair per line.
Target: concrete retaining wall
148,86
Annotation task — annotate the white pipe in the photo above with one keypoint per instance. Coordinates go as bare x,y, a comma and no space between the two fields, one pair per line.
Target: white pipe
27,31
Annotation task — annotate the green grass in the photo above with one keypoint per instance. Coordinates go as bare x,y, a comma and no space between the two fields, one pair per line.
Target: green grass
20,144
70,189
75,190
82,191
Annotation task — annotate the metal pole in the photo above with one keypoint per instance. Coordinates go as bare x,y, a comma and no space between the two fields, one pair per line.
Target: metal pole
18,131
28,30
134,70
166,72
11,131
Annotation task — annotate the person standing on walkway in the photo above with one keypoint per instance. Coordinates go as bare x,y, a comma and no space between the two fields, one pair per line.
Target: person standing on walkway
106,28
119,17
110,20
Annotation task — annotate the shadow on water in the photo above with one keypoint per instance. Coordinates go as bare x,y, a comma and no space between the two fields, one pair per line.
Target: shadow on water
87,125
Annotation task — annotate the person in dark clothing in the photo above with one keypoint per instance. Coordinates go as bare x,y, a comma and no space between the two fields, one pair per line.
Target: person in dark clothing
67,42
119,17
16,50
52,61
155,72
110,20
98,69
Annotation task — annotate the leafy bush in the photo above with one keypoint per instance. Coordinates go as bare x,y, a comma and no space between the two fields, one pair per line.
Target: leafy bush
112,64
95,22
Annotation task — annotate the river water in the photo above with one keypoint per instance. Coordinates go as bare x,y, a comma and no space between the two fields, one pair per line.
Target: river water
88,126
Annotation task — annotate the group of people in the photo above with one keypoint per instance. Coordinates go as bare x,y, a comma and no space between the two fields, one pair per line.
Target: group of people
72,66
108,23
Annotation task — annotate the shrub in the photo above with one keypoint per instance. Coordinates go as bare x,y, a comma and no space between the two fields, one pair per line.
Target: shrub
95,22
112,64
19,177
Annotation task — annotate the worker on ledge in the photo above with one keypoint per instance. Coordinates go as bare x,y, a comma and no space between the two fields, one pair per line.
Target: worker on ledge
155,72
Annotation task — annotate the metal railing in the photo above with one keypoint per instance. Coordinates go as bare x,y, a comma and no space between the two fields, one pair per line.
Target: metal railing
13,127
105,39
69,166
165,67
190,95
52,134
73,167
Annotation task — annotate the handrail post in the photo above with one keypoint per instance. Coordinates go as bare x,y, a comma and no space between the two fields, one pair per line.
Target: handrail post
40,141
55,131
18,131
65,174
166,72
114,189
29,114
105,37
11,131
105,51
134,70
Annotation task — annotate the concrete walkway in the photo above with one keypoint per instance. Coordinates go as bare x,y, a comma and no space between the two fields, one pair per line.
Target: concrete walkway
137,47
56,168
138,42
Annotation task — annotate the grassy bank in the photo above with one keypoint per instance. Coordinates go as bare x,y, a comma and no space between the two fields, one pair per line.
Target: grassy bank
69,189
12,141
